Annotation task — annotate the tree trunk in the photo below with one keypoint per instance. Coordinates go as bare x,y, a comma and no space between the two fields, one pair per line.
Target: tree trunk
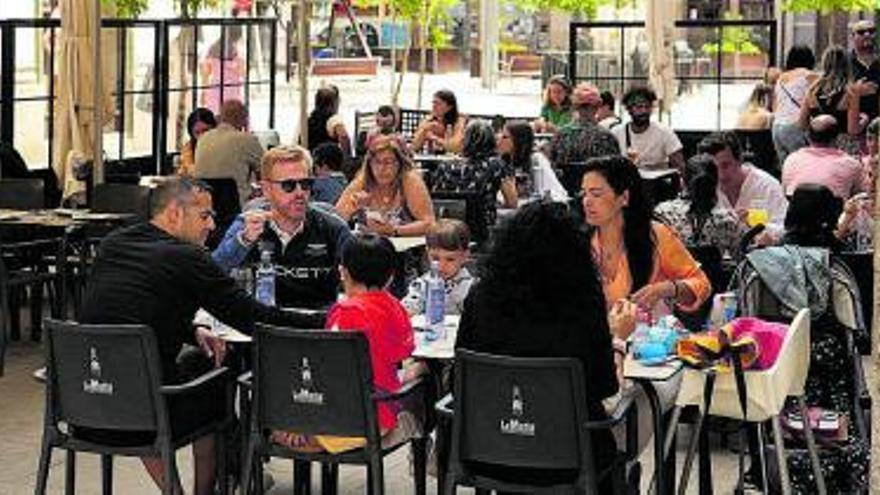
404,65
423,51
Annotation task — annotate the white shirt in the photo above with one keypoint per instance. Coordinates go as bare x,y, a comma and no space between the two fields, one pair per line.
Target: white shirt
549,180
653,146
760,186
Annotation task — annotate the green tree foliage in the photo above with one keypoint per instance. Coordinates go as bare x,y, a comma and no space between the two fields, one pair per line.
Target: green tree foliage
826,6
134,8
586,8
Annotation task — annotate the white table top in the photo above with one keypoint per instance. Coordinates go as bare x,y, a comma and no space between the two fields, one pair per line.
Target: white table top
634,370
443,348
402,244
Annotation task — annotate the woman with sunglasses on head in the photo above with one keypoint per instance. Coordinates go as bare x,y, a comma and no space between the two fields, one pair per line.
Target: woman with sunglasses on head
392,196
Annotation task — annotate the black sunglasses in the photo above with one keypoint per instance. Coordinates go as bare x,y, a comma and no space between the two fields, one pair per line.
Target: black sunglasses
864,32
289,185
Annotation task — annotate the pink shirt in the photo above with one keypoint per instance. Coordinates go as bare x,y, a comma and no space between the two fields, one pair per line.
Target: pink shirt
830,167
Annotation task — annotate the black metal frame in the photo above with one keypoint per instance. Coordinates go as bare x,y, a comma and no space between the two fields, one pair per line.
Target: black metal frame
622,78
160,72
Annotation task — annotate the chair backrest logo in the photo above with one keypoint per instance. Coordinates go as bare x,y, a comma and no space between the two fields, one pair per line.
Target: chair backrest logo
306,394
516,424
94,385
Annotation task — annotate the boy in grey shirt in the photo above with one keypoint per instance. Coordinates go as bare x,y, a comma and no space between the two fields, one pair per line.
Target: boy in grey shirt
448,243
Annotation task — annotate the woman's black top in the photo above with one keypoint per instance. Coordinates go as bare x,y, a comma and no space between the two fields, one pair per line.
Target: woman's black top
580,332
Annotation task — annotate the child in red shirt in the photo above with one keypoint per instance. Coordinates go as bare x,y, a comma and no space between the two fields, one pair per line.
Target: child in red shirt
367,267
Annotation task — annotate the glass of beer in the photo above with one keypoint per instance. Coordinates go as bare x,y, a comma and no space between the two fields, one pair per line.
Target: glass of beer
758,214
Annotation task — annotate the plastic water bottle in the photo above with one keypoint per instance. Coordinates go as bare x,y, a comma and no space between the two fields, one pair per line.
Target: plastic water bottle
641,335
537,181
435,303
265,283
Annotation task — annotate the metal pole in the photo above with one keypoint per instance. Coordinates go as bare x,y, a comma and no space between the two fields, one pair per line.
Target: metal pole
98,102
303,62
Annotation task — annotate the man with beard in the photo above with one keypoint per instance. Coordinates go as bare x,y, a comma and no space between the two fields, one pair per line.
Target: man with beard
650,145
305,241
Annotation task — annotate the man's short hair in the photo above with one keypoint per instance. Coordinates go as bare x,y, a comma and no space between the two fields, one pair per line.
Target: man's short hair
287,153
329,155
449,234
180,190
607,99
719,141
234,113
860,25
369,259
638,93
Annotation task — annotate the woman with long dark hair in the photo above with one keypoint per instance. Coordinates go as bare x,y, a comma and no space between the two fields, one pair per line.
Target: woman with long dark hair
325,125
200,121
534,174
697,217
539,296
443,130
640,261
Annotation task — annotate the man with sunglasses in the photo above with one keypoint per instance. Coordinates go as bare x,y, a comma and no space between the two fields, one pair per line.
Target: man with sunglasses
305,240
865,67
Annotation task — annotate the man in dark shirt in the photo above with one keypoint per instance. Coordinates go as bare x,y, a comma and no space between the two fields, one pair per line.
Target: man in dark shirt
159,274
583,138
865,67
305,240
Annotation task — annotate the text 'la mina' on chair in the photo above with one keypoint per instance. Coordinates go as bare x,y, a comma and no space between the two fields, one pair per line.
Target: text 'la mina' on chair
521,424
317,382
108,378
766,392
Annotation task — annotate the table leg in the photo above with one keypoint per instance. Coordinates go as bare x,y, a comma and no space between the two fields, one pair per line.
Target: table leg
657,417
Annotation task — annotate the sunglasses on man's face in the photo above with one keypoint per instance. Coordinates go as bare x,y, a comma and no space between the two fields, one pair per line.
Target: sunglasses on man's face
289,185
866,32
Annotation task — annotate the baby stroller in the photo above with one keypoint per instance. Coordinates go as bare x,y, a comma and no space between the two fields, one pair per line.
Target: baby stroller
773,284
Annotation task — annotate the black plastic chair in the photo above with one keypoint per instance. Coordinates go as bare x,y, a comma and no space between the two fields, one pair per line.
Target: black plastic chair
450,208
108,377
225,201
475,213
22,194
516,415
121,198
319,383
572,173
26,256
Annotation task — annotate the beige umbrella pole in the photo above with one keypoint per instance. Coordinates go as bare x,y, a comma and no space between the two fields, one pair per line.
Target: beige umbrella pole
98,102
303,57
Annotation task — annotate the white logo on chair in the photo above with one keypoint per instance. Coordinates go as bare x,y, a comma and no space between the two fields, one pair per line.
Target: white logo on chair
94,385
516,425
305,394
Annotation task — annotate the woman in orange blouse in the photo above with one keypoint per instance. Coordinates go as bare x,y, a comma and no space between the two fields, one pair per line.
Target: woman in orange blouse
640,261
